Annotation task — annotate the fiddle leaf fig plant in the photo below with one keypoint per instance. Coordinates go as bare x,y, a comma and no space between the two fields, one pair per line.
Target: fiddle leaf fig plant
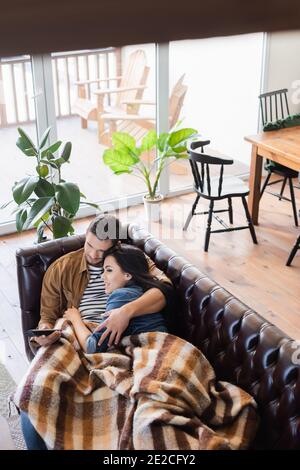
126,156
44,199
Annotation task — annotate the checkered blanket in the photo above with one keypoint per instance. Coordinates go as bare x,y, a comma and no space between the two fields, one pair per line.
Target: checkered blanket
155,391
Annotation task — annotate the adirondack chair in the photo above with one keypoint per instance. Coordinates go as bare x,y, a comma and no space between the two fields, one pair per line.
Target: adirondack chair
131,86
137,125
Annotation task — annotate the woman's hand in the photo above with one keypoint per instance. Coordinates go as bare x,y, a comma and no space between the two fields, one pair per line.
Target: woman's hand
72,314
115,325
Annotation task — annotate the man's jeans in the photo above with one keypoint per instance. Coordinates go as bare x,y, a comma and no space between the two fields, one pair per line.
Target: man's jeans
32,438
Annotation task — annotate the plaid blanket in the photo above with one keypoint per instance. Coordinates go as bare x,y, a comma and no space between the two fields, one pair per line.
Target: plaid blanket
155,391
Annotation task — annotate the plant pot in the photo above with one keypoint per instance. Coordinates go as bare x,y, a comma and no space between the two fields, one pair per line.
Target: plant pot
42,240
152,207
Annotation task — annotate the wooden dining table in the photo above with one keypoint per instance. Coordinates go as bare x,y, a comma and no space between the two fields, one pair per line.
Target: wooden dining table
281,146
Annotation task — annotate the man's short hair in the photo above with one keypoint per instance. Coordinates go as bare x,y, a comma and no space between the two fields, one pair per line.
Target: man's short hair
107,227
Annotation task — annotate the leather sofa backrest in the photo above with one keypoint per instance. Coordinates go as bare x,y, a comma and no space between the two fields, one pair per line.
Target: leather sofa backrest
242,346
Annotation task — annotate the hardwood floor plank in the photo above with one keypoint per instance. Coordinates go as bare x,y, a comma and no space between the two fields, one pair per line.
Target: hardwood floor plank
8,286
10,322
15,363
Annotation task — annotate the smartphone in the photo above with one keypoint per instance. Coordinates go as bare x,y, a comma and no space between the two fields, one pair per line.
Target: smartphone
45,332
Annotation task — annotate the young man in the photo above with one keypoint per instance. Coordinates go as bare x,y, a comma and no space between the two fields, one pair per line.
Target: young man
74,280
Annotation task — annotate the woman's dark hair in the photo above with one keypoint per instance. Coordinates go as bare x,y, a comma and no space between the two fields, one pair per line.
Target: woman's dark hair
132,260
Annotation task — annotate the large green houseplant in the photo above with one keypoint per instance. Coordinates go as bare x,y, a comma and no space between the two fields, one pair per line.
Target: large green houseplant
126,156
45,199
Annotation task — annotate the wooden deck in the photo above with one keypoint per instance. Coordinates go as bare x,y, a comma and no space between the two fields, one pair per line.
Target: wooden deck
257,275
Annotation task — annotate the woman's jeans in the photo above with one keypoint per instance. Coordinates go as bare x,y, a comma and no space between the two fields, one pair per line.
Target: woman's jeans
141,324
32,438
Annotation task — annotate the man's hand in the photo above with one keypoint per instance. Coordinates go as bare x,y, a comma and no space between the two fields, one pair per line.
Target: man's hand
115,325
47,340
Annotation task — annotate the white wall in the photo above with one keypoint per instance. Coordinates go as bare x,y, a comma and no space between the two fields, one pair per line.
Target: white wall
283,65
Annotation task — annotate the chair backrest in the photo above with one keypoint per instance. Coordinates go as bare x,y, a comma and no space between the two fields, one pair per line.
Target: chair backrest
135,74
274,105
175,104
200,160
176,100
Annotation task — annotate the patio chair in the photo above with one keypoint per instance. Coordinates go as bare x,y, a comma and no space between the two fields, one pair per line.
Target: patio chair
274,105
216,189
131,86
138,125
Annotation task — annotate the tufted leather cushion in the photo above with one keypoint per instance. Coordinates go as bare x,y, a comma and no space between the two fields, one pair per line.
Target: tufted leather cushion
242,347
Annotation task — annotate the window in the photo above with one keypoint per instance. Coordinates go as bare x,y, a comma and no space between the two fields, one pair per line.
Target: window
222,76
17,109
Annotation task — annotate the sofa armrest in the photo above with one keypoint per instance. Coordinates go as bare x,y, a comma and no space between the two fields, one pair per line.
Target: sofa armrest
32,264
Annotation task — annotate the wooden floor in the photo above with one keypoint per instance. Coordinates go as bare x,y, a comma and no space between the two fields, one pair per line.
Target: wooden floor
257,275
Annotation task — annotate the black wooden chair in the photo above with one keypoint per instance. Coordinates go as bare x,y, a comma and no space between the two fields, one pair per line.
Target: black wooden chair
274,106
215,189
296,247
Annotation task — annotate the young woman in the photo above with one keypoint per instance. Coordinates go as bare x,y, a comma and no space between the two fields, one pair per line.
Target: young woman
126,277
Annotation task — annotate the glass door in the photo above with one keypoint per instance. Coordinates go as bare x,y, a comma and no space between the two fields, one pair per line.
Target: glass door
221,77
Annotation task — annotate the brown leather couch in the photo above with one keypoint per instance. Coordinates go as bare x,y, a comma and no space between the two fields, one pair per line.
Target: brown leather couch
243,347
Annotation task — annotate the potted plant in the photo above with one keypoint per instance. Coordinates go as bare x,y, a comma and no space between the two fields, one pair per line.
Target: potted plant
44,200
126,156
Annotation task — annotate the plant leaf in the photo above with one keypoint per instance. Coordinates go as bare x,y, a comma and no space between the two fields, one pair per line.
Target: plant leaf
66,151
24,188
26,140
180,136
44,189
68,196
90,204
40,231
57,161
118,161
25,205
61,226
44,138
21,217
52,149
122,140
42,220
179,149
6,204
162,141
53,165
39,208
149,141
182,156
22,144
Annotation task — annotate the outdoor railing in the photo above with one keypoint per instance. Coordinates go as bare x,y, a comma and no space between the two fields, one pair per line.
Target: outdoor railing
16,84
